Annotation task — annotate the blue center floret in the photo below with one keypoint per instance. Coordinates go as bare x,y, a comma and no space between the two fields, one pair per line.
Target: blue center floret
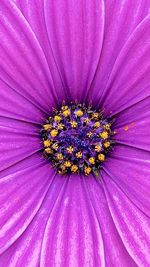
77,139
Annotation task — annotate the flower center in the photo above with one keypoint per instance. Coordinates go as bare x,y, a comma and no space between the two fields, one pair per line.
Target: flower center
76,139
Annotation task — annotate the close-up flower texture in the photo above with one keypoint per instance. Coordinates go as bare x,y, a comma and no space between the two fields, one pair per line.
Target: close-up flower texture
74,133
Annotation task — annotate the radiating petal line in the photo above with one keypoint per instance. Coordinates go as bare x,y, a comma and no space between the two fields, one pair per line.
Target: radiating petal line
26,98
73,47
141,257
66,92
74,225
118,15
135,112
28,239
15,106
117,259
123,191
130,168
34,13
94,213
38,76
61,192
126,143
137,63
19,154
14,216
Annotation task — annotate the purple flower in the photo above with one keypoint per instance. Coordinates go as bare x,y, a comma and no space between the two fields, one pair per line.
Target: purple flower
95,51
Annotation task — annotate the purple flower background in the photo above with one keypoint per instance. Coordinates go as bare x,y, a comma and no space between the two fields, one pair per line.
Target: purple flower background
90,50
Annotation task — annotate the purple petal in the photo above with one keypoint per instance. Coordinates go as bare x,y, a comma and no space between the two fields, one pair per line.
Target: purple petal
23,64
132,126
75,31
115,251
21,195
28,245
73,227
121,47
77,235
129,80
71,33
133,226
17,145
130,169
16,109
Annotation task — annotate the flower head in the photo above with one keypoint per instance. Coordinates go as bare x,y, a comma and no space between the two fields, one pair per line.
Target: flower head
74,133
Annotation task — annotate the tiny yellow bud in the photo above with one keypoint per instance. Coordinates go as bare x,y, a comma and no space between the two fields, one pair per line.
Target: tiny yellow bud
104,135
101,157
97,124
86,120
60,126
73,124
89,134
48,150
64,107
47,143
55,146
70,149
95,115
67,163
62,169
57,118
66,113
97,148
60,156
47,126
74,168
107,126
54,133
79,113
92,160
79,154
106,144
87,170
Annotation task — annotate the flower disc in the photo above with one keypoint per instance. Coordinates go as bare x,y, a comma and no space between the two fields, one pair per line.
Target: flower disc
76,139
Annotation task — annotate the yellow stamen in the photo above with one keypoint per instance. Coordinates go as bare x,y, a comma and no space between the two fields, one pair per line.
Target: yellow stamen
89,134
97,148
60,156
57,118
107,126
66,113
64,108
74,168
79,113
106,144
67,163
104,135
47,143
87,120
97,124
54,133
101,157
70,149
73,124
62,169
92,160
95,115
55,146
79,155
87,170
47,126
48,150
60,126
